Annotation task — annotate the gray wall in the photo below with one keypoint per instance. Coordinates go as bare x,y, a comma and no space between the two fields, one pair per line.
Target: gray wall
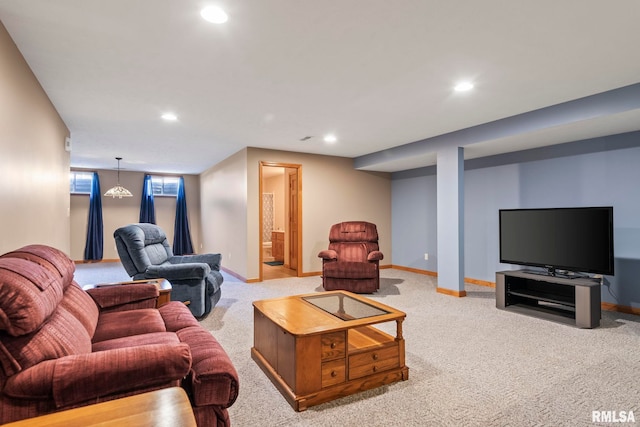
599,172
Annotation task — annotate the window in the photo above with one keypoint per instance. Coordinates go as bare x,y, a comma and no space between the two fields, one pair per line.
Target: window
165,185
80,182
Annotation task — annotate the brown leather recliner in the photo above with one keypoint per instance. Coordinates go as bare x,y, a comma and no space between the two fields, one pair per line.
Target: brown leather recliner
352,261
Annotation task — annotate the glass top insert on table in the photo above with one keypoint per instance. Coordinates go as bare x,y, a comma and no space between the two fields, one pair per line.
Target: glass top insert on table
344,307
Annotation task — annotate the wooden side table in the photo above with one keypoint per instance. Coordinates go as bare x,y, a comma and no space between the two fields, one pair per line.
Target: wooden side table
168,407
163,285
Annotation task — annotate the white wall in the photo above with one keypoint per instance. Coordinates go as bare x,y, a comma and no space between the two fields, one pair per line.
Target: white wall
332,191
34,188
223,211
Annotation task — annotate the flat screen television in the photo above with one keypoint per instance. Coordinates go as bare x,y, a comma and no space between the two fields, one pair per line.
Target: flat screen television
572,239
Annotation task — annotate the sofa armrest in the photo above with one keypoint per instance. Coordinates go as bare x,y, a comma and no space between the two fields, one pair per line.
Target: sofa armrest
184,271
328,254
88,377
213,378
212,260
35,382
375,256
75,379
124,295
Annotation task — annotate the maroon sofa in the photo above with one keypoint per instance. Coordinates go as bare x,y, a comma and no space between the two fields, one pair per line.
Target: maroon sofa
62,347
352,260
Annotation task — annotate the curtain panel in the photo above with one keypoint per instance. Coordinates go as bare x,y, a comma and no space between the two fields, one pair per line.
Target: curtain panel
94,245
182,244
147,206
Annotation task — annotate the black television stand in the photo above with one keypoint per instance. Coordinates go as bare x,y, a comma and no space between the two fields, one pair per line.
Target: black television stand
552,272
572,301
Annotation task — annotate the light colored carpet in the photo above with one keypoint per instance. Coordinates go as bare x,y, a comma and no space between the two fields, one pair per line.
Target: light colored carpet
470,364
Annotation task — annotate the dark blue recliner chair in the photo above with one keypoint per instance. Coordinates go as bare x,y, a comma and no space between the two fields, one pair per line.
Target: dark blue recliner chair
145,254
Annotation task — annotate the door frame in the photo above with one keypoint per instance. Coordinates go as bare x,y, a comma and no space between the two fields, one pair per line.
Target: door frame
298,169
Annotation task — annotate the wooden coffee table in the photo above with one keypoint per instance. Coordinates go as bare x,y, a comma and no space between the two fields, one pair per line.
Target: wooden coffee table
322,346
168,407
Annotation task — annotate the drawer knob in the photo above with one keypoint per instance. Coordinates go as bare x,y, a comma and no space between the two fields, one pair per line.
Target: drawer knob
374,356
375,369
334,373
333,345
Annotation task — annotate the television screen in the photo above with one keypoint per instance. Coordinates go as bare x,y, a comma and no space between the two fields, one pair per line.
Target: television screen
574,239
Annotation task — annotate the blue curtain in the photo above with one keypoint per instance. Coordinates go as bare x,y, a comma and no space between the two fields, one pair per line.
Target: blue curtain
94,245
147,207
181,235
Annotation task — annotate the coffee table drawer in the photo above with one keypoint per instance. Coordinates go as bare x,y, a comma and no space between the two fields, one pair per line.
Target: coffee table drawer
373,361
333,372
333,345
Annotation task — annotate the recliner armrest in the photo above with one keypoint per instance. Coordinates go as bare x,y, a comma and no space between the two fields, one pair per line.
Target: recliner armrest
375,256
213,260
328,254
191,270
121,295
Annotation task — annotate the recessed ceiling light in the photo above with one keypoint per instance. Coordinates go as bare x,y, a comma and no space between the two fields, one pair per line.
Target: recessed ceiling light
214,14
463,86
330,138
170,117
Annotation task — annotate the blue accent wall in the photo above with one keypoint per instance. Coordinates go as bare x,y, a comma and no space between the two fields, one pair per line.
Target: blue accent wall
414,220
600,172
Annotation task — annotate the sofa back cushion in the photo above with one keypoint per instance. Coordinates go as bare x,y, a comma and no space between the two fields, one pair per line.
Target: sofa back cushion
29,294
53,259
353,231
61,335
350,252
43,313
141,245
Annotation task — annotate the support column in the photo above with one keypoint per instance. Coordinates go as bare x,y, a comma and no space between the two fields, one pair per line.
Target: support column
450,198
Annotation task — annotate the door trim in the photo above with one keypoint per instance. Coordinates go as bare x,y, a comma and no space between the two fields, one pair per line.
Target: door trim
298,169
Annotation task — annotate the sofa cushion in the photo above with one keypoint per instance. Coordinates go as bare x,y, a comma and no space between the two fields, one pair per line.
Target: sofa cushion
350,270
353,231
125,323
350,252
53,259
140,245
137,340
177,316
29,294
79,303
61,335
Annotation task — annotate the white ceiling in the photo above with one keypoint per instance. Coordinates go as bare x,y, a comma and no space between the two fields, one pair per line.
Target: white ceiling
377,74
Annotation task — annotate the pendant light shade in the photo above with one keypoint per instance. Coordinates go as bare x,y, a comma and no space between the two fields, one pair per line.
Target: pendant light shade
118,191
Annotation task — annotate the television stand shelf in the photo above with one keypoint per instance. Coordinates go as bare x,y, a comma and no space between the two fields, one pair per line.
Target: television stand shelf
571,301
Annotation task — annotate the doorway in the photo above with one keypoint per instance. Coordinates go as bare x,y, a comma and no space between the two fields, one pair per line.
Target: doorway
280,220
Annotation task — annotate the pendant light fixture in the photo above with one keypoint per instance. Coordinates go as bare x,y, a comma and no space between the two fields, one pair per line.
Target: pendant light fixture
118,191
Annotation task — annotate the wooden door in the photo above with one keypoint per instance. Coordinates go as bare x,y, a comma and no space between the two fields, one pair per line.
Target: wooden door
293,219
